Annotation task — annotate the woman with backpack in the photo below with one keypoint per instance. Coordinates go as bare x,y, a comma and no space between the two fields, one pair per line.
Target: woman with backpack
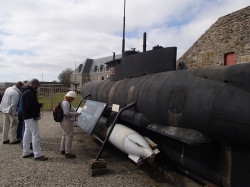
67,124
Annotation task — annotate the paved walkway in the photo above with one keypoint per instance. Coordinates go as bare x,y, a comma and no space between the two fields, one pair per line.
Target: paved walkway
59,171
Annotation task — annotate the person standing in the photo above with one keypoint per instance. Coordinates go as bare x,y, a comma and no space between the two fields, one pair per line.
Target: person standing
9,108
1,98
20,123
67,124
31,115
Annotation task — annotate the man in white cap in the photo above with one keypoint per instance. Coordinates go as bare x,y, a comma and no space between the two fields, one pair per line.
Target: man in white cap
31,115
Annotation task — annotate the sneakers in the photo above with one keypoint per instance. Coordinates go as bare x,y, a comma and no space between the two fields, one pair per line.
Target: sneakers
28,156
69,155
41,158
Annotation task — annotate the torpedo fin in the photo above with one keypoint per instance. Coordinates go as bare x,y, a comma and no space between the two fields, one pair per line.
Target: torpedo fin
136,159
156,151
153,145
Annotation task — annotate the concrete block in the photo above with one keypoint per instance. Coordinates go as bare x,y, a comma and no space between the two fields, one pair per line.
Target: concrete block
94,172
97,167
97,164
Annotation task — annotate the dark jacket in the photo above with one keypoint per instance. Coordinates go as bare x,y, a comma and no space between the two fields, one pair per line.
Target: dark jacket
30,105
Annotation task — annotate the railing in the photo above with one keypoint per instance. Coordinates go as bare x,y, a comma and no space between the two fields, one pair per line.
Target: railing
50,95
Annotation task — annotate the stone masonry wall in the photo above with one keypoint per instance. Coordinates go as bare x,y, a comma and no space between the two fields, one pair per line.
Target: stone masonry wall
230,33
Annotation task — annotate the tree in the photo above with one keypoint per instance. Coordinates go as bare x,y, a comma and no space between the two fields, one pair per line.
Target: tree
64,77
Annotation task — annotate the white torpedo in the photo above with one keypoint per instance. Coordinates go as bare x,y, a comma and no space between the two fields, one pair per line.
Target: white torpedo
136,146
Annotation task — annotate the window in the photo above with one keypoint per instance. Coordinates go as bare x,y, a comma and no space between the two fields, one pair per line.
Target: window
80,68
101,68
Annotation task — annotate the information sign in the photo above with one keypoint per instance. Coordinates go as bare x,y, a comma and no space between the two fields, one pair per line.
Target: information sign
90,115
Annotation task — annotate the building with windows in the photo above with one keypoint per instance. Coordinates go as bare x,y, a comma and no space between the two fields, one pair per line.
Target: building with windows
226,42
91,70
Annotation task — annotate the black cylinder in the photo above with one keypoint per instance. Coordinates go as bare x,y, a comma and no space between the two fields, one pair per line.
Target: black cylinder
144,41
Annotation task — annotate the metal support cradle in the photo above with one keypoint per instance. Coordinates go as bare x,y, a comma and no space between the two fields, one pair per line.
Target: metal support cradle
82,100
112,127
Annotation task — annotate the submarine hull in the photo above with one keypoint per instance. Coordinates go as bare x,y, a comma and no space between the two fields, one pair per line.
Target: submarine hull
210,104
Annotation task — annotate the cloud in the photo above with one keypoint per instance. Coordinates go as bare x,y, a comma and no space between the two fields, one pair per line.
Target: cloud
46,37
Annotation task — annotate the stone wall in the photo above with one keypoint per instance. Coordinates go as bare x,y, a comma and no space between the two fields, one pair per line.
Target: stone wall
230,33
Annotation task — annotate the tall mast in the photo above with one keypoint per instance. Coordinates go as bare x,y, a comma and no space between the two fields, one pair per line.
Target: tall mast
123,40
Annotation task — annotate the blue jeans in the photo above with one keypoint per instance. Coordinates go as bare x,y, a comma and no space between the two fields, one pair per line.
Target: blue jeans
20,126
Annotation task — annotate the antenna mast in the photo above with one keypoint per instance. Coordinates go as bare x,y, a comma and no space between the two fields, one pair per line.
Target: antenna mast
75,68
123,40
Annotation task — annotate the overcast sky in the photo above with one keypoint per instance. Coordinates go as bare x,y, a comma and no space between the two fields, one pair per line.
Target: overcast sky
41,38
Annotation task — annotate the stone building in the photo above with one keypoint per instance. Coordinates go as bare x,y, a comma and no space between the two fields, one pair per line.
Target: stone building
226,42
91,70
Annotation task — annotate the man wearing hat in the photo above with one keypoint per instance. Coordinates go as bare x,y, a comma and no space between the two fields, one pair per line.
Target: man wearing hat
31,114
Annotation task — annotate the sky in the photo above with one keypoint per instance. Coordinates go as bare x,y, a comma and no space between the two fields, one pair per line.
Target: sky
40,39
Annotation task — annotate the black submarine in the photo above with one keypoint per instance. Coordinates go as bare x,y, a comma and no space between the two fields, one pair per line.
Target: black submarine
200,118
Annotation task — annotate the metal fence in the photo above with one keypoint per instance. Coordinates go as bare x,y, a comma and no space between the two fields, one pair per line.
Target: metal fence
51,95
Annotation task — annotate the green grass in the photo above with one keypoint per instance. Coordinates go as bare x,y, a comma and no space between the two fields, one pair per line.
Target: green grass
57,97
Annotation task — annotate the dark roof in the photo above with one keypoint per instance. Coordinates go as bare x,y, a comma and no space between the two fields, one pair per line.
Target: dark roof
89,64
102,61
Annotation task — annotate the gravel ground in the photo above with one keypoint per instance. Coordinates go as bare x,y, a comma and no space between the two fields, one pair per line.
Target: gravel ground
59,171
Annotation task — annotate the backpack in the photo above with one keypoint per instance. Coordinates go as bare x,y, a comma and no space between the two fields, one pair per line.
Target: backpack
58,112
